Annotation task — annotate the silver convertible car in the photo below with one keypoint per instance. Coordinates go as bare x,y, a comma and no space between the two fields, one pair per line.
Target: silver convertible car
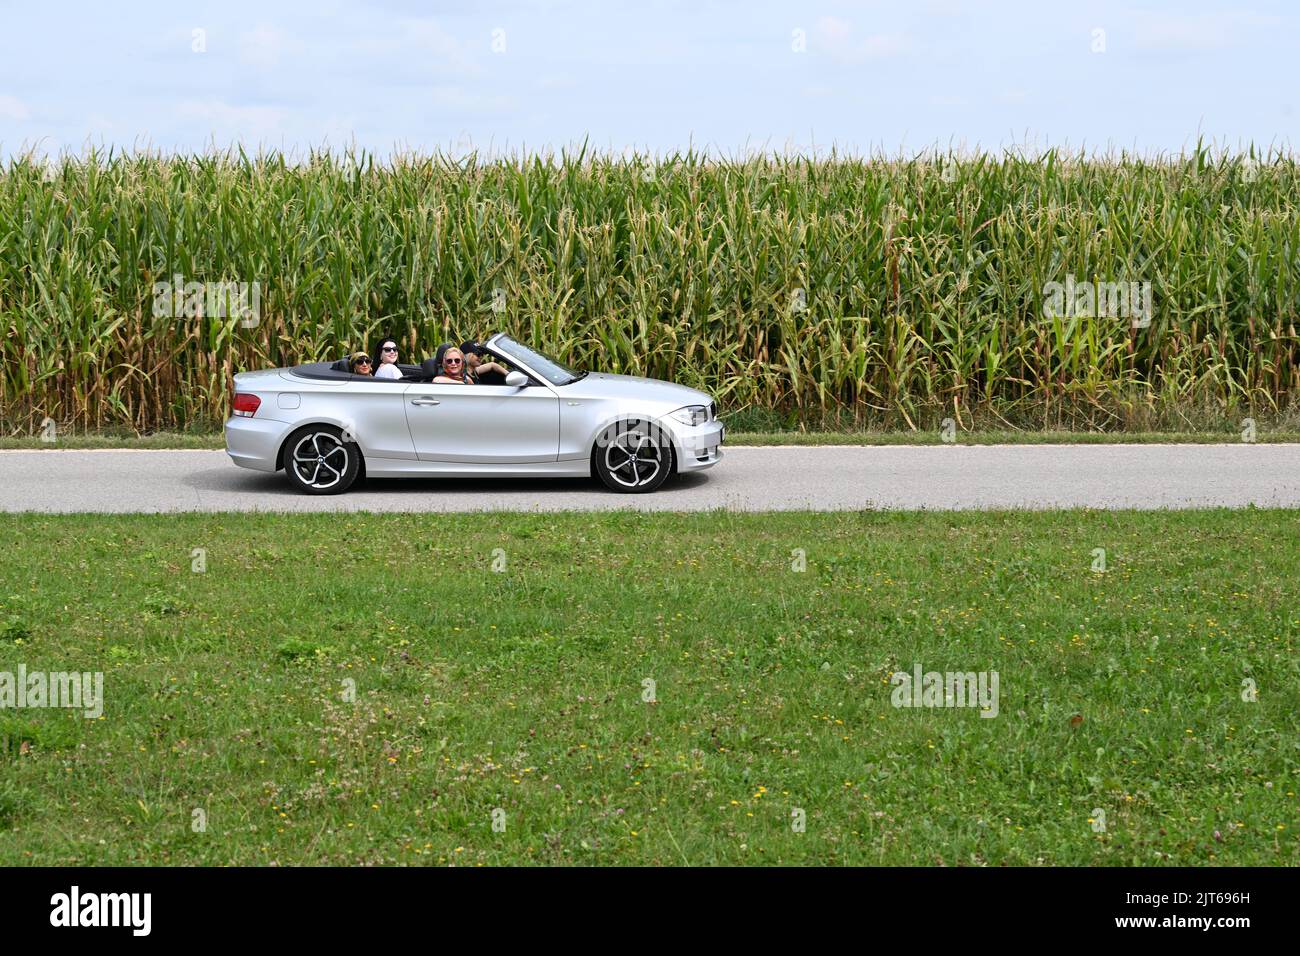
326,426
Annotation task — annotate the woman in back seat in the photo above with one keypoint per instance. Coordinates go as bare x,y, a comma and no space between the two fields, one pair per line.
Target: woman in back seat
387,358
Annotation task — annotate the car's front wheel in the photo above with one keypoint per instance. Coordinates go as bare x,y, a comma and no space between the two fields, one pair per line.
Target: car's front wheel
319,461
633,457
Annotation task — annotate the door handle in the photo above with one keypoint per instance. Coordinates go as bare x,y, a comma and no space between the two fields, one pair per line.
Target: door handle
425,401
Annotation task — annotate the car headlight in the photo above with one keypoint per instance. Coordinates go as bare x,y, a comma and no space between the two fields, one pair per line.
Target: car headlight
692,415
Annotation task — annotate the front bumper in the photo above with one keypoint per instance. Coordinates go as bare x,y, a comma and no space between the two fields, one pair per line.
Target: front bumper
255,442
697,446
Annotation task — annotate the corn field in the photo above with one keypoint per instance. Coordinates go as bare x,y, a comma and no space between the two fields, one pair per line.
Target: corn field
884,290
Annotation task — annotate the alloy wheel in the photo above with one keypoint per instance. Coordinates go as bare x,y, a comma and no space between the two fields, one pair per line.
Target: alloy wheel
320,460
634,459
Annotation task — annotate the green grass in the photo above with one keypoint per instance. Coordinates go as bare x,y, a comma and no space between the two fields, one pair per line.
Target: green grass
116,439
1000,437
215,440
523,690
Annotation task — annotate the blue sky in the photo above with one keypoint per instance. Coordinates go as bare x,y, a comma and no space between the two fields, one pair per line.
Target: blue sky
898,77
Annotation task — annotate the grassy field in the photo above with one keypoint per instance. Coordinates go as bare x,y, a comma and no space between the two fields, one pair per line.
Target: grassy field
888,291
362,689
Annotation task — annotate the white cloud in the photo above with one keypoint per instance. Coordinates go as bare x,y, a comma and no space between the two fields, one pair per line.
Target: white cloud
1195,32
458,98
557,82
12,108
838,38
224,116
264,46
422,43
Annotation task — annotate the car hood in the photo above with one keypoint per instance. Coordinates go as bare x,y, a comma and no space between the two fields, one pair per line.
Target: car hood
604,385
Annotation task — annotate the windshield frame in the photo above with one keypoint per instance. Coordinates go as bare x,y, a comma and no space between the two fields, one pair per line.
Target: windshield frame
541,366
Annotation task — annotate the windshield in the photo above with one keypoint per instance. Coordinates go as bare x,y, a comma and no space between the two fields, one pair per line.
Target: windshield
549,369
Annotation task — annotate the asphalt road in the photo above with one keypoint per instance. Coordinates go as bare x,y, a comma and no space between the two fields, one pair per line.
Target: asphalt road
747,479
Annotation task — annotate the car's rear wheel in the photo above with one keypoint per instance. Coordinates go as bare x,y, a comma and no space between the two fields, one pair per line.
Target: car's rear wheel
319,461
633,457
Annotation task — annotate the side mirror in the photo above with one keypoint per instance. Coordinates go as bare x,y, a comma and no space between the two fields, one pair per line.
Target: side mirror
516,379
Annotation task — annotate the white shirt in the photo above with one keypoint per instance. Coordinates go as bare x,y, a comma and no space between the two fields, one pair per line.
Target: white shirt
388,371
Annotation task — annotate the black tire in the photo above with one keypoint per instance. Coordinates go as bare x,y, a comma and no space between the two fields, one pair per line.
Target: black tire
319,462
633,458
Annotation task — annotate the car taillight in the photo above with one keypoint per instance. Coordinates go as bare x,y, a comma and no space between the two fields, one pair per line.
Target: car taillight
246,405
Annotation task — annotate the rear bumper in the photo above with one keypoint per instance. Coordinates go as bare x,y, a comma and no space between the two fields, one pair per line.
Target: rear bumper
255,442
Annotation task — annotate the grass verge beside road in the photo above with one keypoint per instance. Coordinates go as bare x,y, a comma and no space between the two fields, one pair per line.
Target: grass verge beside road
653,689
215,440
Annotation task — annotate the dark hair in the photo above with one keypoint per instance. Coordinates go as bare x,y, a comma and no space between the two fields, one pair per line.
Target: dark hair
377,352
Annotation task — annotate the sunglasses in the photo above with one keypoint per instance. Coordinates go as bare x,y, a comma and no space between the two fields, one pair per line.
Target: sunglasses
451,361
389,348
362,362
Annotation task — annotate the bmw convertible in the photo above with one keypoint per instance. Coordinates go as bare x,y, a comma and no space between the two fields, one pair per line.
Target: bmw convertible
326,426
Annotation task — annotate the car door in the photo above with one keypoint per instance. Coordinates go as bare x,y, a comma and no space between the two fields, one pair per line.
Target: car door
488,424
